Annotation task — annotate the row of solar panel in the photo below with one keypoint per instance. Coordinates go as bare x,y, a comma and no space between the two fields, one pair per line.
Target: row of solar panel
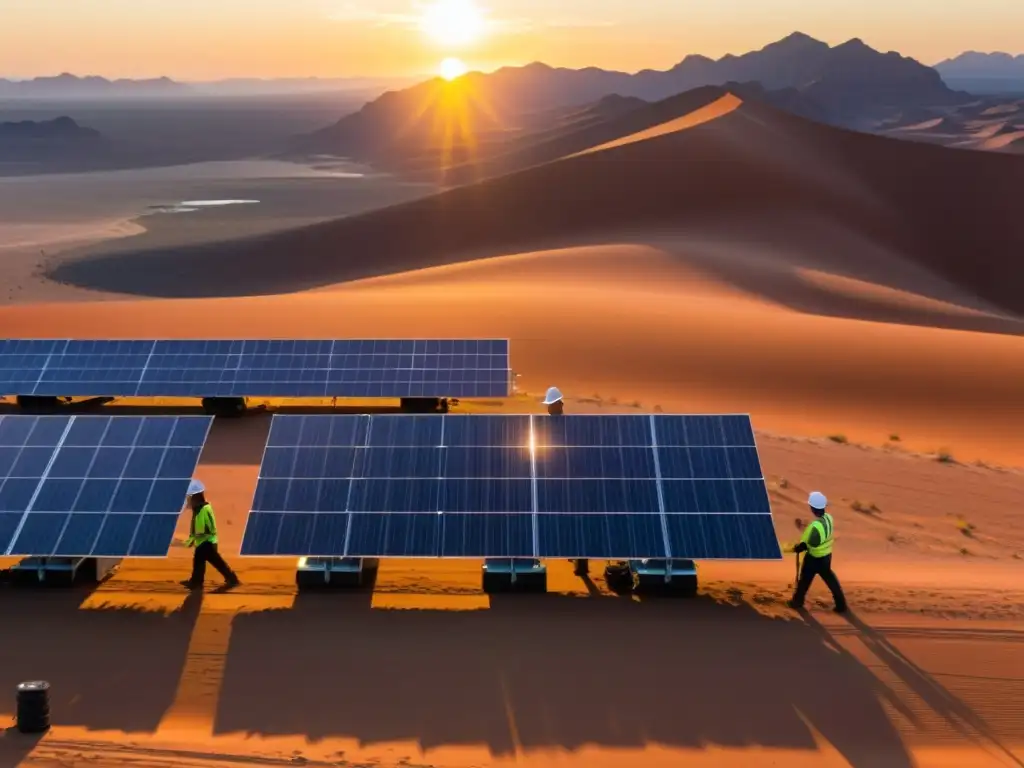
481,536
472,486
126,479
609,496
103,431
510,430
41,534
254,346
110,486
204,368
160,372
508,463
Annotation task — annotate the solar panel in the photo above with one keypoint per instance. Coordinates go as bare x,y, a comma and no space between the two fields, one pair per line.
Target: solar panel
431,368
95,486
609,487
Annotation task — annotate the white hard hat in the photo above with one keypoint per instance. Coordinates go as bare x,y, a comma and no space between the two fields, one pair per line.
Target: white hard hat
817,500
196,486
553,396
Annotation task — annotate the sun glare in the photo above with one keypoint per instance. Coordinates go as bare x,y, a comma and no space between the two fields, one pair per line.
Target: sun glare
453,22
452,68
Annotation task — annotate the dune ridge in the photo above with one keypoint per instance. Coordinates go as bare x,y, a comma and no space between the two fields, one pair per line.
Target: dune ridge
905,196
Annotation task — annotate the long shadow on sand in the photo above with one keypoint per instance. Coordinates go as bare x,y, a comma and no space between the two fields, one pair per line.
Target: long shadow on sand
109,668
553,672
958,716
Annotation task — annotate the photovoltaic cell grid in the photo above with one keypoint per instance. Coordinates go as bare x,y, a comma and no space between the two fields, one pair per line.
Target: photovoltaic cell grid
268,368
95,486
616,487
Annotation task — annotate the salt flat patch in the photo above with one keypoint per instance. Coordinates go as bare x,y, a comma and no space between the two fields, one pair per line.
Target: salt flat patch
191,206
211,203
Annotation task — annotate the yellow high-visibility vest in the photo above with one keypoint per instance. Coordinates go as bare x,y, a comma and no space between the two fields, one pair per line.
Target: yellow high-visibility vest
826,535
204,527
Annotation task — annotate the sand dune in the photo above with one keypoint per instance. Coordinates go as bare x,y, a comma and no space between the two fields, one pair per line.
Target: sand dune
905,197
644,324
980,126
926,125
716,109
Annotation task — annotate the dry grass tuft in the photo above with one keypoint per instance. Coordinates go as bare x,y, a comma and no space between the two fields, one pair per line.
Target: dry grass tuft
865,509
944,456
841,439
658,409
894,438
966,528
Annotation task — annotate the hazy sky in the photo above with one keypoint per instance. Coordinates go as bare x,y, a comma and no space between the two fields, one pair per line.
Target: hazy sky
202,39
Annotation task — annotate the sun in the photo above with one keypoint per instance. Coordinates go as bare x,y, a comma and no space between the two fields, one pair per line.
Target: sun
451,68
453,23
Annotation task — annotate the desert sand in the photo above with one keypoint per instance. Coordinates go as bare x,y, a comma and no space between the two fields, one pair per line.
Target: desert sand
979,125
881,363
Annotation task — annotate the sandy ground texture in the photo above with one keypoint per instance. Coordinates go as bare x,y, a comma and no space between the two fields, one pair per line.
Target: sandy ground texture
871,373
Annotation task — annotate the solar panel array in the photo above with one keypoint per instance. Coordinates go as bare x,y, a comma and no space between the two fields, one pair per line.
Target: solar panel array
95,486
253,368
615,487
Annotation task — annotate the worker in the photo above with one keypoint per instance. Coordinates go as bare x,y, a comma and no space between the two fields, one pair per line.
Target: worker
203,536
553,400
817,541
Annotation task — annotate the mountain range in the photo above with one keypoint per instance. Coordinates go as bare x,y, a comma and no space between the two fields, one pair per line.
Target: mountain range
975,64
984,72
68,86
850,85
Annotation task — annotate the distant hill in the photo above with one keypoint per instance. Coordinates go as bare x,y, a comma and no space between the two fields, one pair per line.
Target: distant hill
67,86
46,142
850,84
984,73
975,64
61,129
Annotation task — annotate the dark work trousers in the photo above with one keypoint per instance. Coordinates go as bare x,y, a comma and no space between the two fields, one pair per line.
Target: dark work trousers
818,566
207,553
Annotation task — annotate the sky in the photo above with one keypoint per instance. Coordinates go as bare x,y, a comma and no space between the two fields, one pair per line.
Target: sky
211,39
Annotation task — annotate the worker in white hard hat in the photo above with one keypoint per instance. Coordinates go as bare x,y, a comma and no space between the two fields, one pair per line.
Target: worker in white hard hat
203,536
555,403
553,400
816,541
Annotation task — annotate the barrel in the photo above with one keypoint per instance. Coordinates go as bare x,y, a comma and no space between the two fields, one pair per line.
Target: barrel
33,707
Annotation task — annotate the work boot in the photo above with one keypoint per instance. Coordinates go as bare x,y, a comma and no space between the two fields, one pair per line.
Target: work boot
189,584
232,581
795,605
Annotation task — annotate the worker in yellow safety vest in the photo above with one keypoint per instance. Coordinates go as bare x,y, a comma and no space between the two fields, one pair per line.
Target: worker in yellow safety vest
817,542
203,536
